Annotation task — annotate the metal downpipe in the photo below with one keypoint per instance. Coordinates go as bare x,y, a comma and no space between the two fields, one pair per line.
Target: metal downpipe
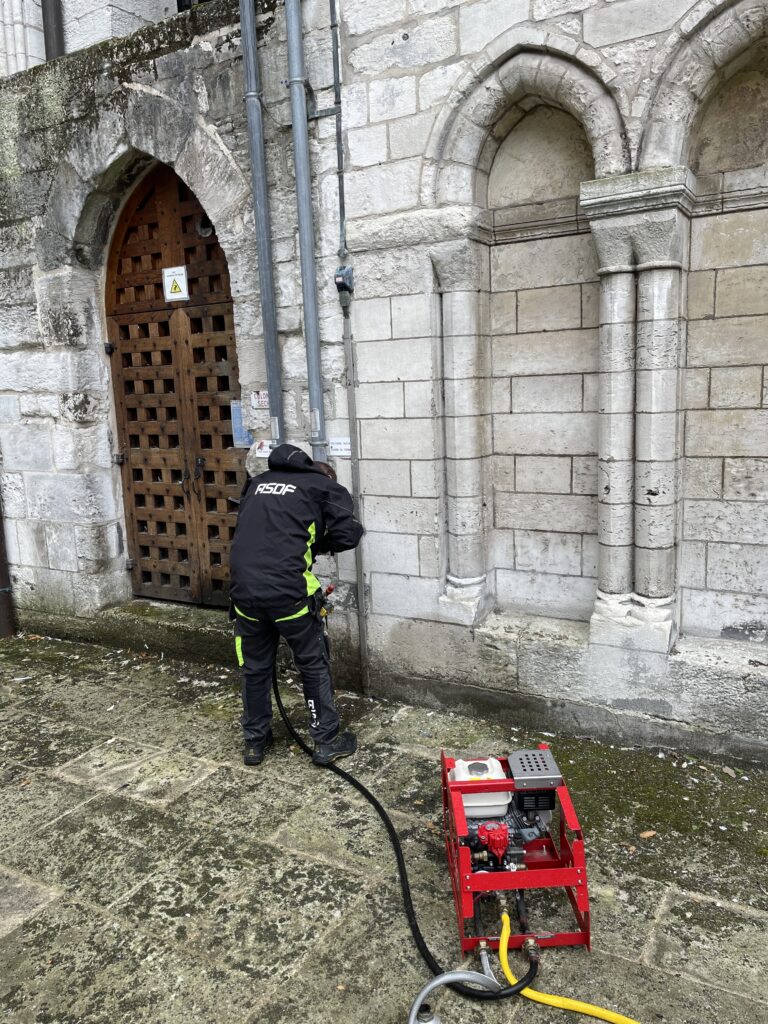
7,615
53,29
253,97
296,81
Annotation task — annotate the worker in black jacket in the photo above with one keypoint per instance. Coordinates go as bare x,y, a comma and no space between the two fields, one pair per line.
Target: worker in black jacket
288,515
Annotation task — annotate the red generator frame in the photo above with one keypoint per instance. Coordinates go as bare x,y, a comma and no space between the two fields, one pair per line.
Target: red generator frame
545,865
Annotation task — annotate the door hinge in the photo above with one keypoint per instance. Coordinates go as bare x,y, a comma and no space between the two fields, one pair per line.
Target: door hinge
109,348
130,563
118,458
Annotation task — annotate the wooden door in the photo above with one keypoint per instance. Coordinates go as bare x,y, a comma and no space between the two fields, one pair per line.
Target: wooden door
174,371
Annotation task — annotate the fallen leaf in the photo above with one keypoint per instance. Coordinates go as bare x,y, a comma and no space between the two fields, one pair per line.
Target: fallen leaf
729,772
648,834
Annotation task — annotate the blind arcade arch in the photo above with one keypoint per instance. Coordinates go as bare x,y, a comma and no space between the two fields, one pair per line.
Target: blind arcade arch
174,372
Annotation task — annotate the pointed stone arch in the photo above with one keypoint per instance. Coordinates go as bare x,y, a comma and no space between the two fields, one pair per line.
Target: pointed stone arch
513,74
715,48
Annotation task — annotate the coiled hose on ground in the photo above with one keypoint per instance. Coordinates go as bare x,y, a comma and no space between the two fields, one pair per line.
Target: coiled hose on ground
418,938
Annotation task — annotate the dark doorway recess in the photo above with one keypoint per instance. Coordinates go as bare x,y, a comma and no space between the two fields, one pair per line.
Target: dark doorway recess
174,371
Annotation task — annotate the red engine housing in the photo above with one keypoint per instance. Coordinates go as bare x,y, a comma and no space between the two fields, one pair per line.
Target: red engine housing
546,864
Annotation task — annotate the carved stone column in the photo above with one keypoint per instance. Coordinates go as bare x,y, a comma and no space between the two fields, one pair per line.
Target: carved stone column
640,225
462,270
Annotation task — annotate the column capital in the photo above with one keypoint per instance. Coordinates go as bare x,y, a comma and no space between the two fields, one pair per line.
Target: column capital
639,221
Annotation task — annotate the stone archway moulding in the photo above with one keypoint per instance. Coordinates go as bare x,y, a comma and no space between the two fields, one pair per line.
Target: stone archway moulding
482,109
707,56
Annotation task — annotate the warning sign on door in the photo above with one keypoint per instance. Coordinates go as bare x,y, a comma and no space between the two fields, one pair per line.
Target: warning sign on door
175,284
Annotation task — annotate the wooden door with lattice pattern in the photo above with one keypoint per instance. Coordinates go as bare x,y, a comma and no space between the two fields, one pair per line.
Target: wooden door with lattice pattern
174,371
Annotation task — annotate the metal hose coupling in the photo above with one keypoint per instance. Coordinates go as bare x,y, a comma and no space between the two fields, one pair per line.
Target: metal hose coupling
532,950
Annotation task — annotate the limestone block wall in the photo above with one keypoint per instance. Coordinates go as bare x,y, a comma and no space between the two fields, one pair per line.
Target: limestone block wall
557,321
22,44
87,22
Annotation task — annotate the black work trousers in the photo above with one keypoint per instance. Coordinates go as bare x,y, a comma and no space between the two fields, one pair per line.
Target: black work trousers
257,635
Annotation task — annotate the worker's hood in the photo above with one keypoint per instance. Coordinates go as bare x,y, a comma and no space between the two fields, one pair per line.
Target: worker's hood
289,457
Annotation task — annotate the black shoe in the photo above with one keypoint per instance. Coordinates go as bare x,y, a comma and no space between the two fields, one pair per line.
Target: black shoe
342,746
256,749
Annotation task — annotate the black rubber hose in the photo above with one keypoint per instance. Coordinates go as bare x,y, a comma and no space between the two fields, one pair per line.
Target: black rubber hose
410,913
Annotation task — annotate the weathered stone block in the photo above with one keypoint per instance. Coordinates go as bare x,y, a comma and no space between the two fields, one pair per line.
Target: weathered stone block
423,44
702,478
656,390
627,19
701,294
33,549
590,305
397,360
743,522
585,475
656,436
411,316
654,526
425,482
736,387
408,136
406,596
549,309
380,400
360,17
558,513
504,312
383,189
746,479
730,616
738,567
548,552
392,97
550,352
543,474
401,515
26,446
545,433
420,399
391,552
695,389
556,8
693,564
736,432
385,476
9,409
479,23
501,395
70,498
547,394
18,326
380,439
740,341
62,553
536,593
590,550
570,259
742,291
367,145
435,85
371,319
729,240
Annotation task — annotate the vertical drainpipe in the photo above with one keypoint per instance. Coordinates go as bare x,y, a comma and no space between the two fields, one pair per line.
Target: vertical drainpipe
253,98
345,286
296,81
7,616
53,29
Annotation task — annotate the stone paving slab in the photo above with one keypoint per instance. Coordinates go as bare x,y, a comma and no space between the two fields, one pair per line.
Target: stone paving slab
162,880
141,772
20,898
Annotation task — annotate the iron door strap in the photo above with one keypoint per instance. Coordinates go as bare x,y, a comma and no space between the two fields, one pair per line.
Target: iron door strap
199,464
184,480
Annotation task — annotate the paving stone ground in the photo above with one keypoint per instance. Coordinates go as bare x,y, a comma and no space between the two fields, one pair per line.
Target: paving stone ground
147,875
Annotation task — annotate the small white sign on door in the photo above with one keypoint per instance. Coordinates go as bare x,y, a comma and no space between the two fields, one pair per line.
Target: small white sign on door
175,284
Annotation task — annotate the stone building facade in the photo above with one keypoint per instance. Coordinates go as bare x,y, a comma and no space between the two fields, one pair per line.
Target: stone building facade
558,220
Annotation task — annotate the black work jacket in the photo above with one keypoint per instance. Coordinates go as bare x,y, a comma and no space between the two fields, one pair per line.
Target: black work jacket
287,516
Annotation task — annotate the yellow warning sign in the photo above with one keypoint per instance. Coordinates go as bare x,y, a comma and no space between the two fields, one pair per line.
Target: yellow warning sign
175,284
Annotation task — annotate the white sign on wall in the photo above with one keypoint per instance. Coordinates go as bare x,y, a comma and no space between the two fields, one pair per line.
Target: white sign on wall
175,286
341,447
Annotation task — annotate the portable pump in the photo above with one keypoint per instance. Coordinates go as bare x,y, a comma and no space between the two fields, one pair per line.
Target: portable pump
497,814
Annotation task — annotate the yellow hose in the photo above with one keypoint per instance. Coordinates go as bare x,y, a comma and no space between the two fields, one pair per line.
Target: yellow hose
543,997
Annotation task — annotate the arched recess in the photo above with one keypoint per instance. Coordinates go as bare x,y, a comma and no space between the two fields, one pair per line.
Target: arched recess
519,332
485,106
716,48
724,558
137,128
